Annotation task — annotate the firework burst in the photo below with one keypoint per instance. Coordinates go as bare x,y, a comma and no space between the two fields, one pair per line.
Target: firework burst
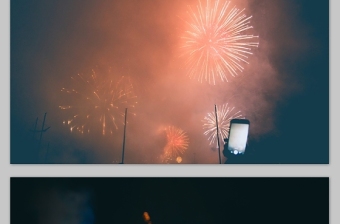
224,115
217,42
177,143
97,102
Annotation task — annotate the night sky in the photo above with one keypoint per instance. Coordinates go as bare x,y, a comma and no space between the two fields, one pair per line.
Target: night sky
169,200
284,91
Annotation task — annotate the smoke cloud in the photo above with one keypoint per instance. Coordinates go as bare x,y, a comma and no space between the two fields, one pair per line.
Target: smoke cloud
140,39
69,207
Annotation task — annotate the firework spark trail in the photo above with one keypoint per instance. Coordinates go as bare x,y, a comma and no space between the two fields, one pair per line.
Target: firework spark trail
224,115
217,42
98,100
177,143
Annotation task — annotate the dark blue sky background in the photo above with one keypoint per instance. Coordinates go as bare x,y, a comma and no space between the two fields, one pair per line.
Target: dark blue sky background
284,92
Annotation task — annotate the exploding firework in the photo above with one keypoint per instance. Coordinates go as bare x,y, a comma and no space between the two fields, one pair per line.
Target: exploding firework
224,115
179,159
177,143
98,102
217,42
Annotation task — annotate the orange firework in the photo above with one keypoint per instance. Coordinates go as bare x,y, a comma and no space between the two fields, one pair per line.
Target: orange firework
177,142
97,101
179,159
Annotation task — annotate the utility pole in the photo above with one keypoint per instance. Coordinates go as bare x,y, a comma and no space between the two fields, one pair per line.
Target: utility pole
124,137
218,138
42,130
